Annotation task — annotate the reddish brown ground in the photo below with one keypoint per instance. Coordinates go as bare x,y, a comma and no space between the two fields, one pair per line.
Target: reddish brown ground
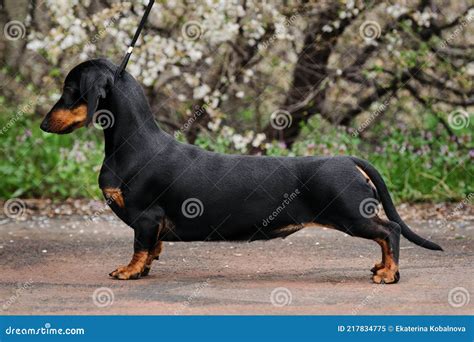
53,266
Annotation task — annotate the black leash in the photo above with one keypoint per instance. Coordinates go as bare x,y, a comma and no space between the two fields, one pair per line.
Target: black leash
125,59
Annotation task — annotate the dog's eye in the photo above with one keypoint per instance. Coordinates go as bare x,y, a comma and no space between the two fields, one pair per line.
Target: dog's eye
70,96
69,89
70,93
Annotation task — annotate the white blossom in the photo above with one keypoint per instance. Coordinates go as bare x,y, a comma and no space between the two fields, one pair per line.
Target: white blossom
201,91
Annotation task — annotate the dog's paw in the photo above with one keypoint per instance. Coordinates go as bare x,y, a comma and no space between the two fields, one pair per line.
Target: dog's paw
127,272
386,276
377,267
145,271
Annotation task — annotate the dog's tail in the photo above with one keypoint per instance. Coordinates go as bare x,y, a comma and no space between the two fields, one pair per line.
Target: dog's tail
389,208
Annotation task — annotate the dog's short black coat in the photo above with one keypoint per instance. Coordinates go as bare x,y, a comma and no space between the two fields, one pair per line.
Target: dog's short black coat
169,191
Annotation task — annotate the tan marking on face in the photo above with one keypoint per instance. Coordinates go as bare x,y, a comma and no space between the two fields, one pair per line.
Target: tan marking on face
366,177
62,119
114,195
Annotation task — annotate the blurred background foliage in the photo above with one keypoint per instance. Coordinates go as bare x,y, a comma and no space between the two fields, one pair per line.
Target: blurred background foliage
389,81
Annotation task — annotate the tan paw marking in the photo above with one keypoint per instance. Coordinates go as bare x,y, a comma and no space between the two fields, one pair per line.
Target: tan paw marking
134,269
377,267
386,276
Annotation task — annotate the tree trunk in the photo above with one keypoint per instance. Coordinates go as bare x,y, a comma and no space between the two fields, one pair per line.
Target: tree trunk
310,74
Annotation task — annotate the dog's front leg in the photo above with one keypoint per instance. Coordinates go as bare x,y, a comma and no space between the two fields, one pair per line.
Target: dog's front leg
146,232
153,255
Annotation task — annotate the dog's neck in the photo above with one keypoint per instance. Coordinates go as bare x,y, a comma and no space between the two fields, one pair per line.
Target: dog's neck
133,122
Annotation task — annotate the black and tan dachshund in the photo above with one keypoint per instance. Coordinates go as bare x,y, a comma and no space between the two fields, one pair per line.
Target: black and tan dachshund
169,191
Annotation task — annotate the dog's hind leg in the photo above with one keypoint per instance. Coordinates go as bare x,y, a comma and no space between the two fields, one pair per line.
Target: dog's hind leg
387,272
383,245
387,235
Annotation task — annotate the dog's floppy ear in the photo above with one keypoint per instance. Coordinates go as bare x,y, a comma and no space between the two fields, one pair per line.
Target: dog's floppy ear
94,86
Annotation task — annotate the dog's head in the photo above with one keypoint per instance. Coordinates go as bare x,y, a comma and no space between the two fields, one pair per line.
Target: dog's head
84,87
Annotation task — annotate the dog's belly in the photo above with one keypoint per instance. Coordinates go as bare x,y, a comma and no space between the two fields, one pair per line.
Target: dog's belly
238,223
231,233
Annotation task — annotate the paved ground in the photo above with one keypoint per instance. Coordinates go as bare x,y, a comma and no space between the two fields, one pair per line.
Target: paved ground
54,266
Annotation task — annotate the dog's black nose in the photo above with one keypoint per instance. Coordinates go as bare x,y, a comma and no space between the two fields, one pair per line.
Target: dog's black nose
45,125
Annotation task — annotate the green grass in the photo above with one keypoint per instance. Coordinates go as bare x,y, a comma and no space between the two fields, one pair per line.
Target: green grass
417,165
37,164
